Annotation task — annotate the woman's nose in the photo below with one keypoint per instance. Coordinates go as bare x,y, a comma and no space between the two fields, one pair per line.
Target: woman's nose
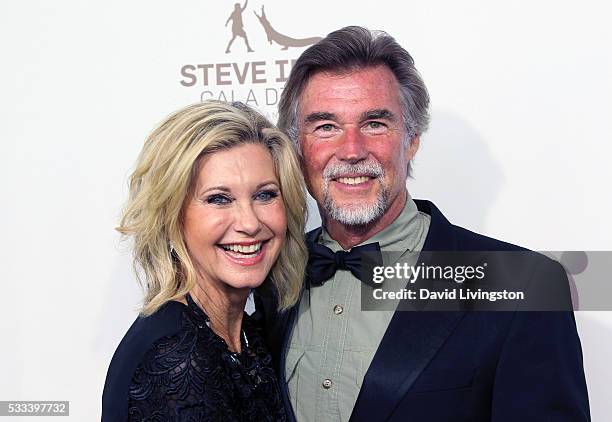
247,221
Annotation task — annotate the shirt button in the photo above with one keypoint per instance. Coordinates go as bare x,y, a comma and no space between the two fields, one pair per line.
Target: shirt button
338,309
327,383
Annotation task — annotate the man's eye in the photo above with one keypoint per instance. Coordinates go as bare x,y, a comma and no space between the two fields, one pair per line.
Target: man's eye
375,128
325,130
266,195
218,199
326,127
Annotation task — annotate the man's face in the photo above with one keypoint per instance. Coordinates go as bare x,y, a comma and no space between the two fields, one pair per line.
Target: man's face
352,138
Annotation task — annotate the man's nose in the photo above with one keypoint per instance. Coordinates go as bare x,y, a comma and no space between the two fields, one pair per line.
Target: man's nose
352,146
247,220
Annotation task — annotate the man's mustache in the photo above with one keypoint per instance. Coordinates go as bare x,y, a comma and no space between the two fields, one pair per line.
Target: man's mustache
371,168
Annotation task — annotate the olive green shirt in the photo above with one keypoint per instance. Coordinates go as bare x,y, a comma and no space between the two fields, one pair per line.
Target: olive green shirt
333,341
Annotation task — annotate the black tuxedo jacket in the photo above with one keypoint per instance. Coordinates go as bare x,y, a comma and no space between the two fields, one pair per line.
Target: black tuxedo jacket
463,366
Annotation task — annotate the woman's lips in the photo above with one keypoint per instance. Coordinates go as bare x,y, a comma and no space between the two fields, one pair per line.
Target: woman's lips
245,259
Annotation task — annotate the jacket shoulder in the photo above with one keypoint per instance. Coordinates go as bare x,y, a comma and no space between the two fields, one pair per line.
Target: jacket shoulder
140,337
469,240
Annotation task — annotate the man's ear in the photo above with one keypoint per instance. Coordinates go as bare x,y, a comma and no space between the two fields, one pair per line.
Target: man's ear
413,148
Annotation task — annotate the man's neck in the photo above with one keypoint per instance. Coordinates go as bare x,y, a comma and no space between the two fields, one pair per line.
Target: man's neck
350,236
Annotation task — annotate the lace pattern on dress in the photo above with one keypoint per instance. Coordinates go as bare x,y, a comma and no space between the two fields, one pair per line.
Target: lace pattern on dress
192,376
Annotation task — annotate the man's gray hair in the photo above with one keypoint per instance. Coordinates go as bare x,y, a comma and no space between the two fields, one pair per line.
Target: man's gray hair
352,48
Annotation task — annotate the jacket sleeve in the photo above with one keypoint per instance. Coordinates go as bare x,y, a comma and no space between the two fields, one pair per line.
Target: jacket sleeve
540,375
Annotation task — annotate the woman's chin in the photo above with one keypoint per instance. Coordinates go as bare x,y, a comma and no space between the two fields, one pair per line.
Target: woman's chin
247,278
246,283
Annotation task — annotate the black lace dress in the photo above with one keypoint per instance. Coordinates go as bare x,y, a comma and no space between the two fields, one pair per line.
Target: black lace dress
190,375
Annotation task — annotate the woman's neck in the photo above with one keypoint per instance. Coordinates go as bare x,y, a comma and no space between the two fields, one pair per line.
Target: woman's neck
224,308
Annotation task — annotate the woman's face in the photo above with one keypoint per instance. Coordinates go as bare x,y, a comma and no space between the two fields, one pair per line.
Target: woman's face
234,219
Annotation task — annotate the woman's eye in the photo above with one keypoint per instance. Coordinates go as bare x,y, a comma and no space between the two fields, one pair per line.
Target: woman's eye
266,195
218,200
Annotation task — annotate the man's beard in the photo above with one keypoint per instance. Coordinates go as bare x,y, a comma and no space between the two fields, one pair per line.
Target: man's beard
355,214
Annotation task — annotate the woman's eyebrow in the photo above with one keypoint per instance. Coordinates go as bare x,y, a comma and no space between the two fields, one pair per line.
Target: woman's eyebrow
228,190
269,182
221,188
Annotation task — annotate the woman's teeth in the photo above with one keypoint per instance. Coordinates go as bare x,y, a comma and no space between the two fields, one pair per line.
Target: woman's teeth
243,249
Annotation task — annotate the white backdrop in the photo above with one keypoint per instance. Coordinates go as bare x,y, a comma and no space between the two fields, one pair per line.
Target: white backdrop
519,147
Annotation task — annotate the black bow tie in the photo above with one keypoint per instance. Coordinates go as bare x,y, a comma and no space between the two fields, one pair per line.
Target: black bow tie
323,262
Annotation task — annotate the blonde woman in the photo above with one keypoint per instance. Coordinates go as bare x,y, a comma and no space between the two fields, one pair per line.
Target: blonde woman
216,209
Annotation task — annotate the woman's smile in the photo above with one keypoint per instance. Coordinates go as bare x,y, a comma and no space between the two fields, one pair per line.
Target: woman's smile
235,222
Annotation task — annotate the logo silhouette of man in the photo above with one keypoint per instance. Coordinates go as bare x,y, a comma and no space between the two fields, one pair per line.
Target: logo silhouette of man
237,26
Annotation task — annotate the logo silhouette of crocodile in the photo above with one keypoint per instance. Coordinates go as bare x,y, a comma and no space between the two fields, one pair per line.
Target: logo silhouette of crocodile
280,39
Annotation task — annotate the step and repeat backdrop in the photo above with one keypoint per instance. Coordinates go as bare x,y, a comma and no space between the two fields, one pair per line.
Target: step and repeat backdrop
518,148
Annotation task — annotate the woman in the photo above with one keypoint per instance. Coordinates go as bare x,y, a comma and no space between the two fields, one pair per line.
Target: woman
216,209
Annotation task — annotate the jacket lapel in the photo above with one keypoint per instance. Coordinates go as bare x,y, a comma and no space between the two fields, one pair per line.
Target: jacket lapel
280,326
287,329
410,342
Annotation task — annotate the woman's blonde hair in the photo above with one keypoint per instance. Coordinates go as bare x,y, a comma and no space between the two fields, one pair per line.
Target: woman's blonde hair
163,178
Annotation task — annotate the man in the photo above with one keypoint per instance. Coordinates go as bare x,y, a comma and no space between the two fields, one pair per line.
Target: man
356,107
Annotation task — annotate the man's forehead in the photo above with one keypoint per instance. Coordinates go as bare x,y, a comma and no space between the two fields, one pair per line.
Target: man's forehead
354,92
351,71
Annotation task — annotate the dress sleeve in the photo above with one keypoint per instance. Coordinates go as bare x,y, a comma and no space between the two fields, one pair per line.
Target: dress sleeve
165,382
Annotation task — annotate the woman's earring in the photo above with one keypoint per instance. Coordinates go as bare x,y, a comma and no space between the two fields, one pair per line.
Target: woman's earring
172,250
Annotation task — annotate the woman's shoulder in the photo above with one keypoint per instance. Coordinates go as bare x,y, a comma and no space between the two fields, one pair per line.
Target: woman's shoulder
144,334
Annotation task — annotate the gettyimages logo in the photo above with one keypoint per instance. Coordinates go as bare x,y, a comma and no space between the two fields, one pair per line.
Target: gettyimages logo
257,82
487,281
